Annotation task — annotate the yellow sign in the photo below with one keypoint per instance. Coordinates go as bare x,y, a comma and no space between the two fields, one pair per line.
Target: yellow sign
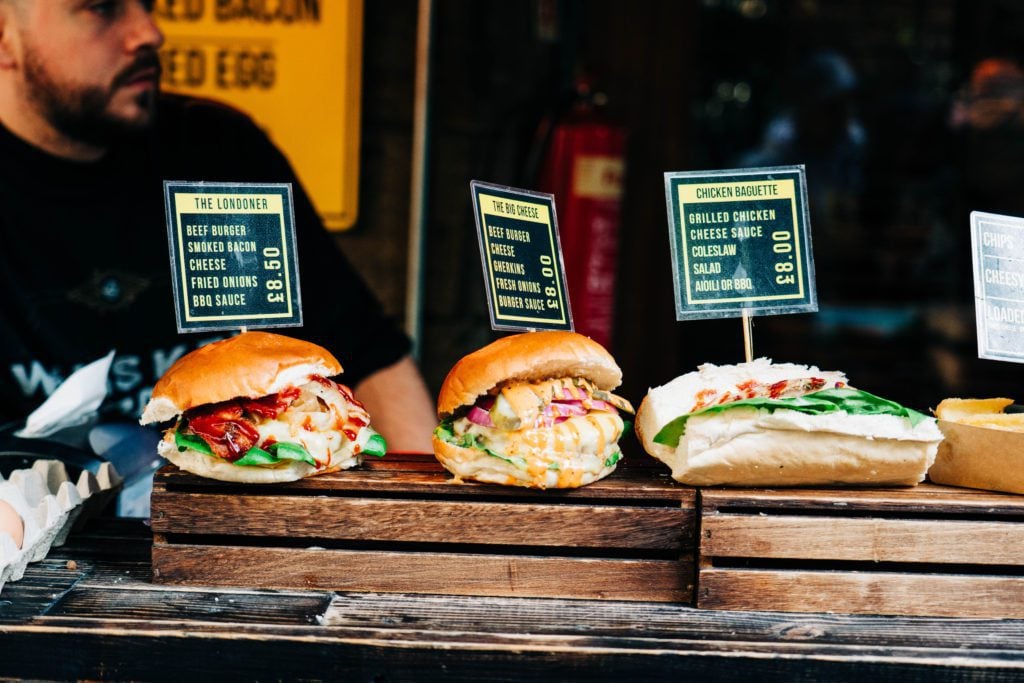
295,66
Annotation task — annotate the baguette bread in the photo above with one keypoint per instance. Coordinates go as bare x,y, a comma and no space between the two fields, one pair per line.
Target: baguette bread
760,446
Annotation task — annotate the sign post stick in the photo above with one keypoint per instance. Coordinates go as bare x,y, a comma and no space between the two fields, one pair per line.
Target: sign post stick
748,335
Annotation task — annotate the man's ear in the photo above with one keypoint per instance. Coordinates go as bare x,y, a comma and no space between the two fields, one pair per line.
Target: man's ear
7,36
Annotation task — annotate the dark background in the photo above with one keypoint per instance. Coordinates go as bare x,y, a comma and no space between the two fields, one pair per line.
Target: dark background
900,149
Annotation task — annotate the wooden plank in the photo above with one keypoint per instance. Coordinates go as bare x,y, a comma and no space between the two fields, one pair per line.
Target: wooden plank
666,620
859,538
373,632
113,651
407,572
398,477
43,583
861,592
378,519
156,603
923,498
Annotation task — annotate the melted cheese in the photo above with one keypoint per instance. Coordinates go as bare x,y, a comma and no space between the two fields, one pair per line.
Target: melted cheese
577,443
315,420
526,400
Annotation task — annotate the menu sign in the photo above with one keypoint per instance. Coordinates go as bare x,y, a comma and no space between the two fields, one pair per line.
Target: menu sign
740,242
233,260
997,243
522,259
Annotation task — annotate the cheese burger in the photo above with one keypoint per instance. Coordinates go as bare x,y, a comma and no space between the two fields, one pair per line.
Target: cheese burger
532,409
260,408
765,424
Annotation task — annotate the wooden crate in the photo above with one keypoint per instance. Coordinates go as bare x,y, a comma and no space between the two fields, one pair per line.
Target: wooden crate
400,524
925,550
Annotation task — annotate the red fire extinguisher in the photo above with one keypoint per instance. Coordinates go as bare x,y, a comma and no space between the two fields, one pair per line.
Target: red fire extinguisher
584,168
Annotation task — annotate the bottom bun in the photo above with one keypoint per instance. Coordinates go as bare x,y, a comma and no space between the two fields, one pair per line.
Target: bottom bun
216,468
474,464
745,448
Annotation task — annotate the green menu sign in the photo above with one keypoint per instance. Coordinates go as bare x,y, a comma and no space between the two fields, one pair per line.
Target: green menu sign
740,242
233,260
522,259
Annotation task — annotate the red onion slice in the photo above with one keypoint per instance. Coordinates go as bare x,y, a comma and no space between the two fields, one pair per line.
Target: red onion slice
478,415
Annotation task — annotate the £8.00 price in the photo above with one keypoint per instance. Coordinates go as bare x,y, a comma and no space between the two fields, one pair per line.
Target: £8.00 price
548,271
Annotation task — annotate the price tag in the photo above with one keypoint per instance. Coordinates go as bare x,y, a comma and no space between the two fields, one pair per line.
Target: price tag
740,242
997,243
233,261
522,259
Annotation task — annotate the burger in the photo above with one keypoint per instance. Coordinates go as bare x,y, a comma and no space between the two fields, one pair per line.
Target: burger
767,424
532,409
260,408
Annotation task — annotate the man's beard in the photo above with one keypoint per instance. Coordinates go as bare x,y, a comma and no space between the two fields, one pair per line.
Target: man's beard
81,113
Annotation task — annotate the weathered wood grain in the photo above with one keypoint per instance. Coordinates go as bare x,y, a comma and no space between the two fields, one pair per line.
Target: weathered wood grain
208,606
401,525
423,474
135,650
927,498
425,572
105,628
925,550
419,520
657,620
942,541
795,590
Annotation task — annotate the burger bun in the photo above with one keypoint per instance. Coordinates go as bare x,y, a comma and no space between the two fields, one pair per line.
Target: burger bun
249,365
212,467
526,357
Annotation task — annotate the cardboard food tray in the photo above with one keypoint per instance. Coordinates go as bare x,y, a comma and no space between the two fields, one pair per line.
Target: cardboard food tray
400,524
926,550
979,457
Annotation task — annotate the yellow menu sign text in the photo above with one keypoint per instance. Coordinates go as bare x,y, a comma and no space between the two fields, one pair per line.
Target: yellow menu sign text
294,66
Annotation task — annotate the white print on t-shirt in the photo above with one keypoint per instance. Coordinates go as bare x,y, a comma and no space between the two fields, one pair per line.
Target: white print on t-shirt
129,384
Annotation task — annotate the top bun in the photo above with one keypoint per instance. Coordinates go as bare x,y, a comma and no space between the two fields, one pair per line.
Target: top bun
527,357
250,365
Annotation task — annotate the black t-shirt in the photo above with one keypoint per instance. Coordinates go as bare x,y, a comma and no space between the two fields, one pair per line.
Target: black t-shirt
84,265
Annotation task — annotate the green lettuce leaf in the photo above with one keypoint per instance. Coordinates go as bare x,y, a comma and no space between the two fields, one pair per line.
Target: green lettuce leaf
852,401
445,432
275,453
257,456
186,441
375,446
283,450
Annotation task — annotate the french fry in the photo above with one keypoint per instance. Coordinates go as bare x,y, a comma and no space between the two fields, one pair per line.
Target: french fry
964,409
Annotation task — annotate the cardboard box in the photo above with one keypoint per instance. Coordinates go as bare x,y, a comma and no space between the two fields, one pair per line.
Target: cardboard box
979,458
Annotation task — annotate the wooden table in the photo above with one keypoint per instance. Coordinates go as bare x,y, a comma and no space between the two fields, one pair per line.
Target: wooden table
90,611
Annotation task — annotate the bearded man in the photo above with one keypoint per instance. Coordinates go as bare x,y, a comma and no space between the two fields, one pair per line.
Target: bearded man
86,141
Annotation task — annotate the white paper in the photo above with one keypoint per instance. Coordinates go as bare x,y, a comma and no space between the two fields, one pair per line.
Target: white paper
73,403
